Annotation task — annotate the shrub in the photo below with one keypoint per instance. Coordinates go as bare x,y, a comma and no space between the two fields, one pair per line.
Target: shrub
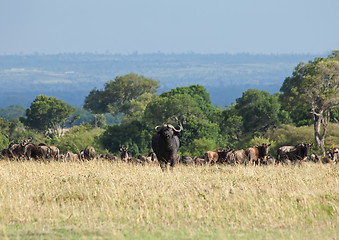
78,138
3,141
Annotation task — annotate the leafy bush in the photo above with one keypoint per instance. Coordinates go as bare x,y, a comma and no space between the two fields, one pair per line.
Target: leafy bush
332,138
78,138
289,135
3,141
133,135
198,147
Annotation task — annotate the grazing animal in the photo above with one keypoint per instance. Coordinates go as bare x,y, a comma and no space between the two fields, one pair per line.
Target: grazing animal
237,157
5,153
124,154
198,160
150,158
293,153
36,152
55,152
165,144
257,154
326,160
314,158
153,157
334,154
72,157
144,159
89,153
17,150
211,157
186,160
108,157
222,154
219,155
134,160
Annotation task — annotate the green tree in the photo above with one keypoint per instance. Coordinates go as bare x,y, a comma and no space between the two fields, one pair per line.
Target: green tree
313,88
232,124
170,109
47,113
134,135
258,109
320,89
136,107
199,95
199,135
3,141
127,94
290,99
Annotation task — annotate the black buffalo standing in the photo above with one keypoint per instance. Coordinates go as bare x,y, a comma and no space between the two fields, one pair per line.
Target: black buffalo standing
165,144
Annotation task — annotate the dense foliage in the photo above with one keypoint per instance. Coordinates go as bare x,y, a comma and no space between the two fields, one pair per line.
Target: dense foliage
47,112
121,94
312,93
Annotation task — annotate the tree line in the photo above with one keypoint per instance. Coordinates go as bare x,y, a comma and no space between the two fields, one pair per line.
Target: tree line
310,97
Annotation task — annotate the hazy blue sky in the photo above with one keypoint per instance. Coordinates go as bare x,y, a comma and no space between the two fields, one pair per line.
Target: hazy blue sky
171,26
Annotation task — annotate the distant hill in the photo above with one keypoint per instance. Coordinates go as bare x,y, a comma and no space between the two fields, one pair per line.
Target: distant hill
71,77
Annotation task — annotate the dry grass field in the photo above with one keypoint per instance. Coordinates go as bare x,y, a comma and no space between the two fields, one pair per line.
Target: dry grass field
105,200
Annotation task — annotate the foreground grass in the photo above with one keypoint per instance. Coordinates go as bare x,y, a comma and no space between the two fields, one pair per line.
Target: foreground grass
103,200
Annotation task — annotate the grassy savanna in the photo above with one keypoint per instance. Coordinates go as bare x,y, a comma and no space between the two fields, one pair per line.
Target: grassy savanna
105,200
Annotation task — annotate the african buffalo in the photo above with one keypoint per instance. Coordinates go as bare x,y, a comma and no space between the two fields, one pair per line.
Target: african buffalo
293,153
257,154
165,144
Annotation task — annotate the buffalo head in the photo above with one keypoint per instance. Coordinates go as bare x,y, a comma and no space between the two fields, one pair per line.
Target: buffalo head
167,130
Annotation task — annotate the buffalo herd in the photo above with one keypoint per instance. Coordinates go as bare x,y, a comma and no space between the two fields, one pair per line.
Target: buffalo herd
165,145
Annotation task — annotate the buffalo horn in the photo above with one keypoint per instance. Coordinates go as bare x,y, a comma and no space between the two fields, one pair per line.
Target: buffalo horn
176,130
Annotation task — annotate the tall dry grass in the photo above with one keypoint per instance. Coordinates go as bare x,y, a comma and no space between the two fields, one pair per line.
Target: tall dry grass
102,199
